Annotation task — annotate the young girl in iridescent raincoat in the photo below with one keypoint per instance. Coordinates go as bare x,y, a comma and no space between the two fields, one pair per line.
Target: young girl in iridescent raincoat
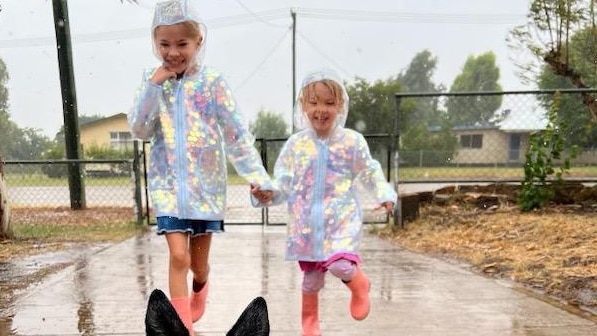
187,111
316,174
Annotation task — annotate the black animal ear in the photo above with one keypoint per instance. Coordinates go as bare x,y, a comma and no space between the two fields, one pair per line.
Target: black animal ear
161,319
254,320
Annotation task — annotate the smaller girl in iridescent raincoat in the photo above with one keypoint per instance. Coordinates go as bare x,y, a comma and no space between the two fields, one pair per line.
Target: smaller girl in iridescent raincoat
187,111
316,174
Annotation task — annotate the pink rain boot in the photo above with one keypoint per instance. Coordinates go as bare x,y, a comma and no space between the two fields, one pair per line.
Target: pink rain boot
310,314
183,308
198,302
359,302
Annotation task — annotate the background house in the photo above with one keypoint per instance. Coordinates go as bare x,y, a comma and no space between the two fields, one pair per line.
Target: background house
500,142
110,132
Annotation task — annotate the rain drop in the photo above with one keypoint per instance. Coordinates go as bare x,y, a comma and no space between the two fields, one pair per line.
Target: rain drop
60,23
360,126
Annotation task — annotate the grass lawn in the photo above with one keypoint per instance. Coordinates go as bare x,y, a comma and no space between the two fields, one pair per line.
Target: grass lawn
41,180
409,173
416,173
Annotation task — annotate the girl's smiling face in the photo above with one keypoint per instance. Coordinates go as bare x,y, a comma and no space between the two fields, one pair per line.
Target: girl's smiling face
177,45
321,106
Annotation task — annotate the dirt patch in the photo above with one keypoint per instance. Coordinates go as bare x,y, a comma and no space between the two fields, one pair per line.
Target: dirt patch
551,251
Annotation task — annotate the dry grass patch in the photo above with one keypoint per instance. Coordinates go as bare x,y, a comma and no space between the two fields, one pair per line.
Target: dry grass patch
553,250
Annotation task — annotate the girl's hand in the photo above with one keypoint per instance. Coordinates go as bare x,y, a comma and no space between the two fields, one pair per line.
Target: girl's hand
388,206
161,75
264,196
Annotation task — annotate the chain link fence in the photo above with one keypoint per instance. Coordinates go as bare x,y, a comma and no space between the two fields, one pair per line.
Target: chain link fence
484,136
479,137
117,183
45,183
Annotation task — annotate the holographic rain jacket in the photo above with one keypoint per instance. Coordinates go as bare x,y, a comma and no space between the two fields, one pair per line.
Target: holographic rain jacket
193,124
318,179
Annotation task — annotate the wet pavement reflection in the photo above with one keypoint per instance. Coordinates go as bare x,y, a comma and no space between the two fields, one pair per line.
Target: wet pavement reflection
106,294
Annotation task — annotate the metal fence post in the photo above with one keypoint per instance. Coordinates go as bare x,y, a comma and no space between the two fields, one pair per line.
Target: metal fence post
263,153
395,148
137,182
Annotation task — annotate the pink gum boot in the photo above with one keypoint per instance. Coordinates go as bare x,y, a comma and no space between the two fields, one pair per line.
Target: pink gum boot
310,315
198,300
359,302
183,308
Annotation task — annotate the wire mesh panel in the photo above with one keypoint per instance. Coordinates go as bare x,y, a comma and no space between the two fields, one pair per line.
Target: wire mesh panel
485,135
45,183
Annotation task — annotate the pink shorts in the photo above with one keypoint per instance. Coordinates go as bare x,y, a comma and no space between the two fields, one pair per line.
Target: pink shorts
322,266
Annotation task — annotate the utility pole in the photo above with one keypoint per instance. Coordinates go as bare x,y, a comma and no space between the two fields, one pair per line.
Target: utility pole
293,15
69,104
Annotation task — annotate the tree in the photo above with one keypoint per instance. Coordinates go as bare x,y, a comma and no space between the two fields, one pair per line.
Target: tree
7,127
5,228
553,29
426,137
30,144
371,108
418,79
579,130
17,143
269,125
479,74
547,35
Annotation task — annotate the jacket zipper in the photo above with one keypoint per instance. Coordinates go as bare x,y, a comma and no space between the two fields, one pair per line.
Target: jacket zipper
180,150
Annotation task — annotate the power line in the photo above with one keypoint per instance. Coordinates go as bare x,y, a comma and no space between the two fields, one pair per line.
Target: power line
257,16
260,65
318,50
282,13
143,32
252,17
359,15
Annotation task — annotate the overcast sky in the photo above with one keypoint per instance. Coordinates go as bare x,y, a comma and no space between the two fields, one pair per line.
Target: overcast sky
250,41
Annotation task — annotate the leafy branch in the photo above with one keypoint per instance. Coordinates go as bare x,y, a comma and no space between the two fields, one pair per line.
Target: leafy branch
545,148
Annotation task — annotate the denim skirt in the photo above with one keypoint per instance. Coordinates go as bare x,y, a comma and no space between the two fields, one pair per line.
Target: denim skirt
194,227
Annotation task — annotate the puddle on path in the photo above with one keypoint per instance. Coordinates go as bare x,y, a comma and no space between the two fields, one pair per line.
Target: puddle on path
16,276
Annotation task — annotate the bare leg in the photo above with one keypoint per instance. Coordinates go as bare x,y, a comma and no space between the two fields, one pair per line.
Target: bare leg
199,253
180,261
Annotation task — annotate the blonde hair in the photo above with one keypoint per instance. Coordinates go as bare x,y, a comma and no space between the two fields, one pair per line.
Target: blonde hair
191,27
333,86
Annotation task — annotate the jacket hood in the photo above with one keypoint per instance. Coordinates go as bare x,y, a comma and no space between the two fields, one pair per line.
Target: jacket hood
301,121
176,11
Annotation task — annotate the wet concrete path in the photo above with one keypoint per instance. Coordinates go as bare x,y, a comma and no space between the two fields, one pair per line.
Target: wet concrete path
106,294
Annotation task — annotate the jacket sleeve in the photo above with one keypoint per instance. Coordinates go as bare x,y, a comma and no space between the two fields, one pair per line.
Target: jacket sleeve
370,173
238,141
283,177
284,173
143,116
